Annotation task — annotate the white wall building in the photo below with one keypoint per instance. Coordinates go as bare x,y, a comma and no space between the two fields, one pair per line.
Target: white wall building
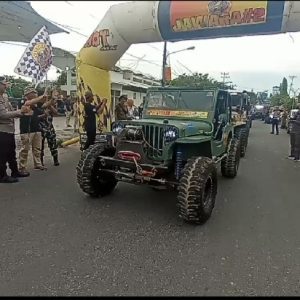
123,82
276,90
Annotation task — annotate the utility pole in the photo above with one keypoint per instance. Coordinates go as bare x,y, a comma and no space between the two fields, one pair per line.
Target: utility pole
224,76
292,77
164,64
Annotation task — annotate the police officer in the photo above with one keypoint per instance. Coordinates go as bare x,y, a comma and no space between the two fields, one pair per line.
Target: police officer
275,120
7,137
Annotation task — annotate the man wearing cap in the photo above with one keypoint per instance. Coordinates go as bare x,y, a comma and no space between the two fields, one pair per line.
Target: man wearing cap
90,112
30,130
7,137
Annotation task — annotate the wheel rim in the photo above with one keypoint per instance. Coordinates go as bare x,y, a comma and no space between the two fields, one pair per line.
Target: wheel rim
207,193
100,177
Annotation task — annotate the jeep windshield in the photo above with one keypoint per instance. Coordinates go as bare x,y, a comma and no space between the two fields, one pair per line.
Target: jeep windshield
200,101
235,99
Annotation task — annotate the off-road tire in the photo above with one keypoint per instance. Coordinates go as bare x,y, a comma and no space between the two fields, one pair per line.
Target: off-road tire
90,179
243,137
230,164
197,190
158,188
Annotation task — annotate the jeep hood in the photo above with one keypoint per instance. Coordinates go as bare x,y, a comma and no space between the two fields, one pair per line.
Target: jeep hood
186,127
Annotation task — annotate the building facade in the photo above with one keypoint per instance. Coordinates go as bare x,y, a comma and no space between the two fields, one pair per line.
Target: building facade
123,82
276,90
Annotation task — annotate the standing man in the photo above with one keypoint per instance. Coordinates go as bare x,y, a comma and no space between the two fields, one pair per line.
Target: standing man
75,113
7,137
121,111
30,131
90,111
284,116
295,137
296,132
275,120
140,110
132,109
47,128
68,110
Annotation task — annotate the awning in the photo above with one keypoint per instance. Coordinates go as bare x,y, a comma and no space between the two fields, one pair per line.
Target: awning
19,22
63,58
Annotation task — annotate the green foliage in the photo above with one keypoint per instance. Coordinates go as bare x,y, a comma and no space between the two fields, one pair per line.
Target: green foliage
197,80
62,79
283,100
284,87
17,86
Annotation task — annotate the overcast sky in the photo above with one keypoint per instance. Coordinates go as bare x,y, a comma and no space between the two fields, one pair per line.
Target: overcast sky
253,62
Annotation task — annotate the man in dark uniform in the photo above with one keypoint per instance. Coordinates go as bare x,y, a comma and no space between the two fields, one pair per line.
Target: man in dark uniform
275,120
90,111
7,137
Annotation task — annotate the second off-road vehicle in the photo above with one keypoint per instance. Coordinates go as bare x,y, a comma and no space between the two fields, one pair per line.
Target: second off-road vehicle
241,118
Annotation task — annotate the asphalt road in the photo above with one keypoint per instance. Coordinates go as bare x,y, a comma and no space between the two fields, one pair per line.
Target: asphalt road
56,241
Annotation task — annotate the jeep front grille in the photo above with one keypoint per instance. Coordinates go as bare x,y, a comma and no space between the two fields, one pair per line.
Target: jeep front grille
154,137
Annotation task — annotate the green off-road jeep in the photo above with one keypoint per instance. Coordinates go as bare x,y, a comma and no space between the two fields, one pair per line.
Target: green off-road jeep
183,134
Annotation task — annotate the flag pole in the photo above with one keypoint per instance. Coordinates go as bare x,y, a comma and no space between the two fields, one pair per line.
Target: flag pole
46,87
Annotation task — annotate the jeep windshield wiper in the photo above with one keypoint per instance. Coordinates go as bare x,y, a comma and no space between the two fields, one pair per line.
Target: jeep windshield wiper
183,102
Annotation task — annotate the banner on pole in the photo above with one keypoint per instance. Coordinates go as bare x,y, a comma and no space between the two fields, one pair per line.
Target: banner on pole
37,58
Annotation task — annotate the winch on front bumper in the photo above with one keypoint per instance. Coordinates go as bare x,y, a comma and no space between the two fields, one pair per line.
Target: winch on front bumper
132,172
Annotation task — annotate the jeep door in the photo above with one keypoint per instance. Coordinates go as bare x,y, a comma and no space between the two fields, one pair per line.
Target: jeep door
222,125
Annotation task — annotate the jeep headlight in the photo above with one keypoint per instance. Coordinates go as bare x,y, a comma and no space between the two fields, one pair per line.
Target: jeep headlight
171,134
117,127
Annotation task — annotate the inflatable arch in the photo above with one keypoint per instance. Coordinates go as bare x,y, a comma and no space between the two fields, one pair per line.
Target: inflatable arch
155,21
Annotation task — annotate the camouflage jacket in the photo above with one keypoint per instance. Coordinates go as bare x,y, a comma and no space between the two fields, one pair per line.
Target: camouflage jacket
121,113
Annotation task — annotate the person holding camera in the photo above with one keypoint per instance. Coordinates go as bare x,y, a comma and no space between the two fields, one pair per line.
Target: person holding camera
7,137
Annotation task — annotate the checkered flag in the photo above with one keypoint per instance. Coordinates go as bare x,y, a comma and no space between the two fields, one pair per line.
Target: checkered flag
37,58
